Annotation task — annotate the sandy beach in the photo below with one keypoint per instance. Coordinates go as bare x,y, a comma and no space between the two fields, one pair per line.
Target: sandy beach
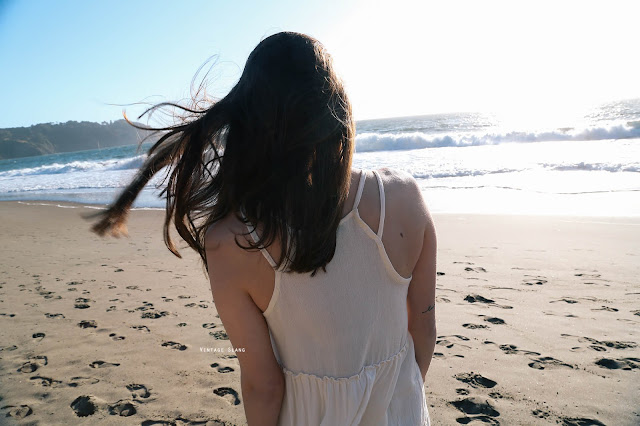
537,323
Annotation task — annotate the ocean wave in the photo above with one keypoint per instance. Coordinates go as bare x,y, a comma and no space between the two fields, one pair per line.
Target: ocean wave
593,167
460,173
368,142
79,166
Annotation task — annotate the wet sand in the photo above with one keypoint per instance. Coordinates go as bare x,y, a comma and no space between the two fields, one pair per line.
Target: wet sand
537,323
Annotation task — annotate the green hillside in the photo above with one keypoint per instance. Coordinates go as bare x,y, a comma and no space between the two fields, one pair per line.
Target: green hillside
49,138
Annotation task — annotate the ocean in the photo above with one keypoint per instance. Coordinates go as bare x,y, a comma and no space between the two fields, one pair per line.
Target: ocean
464,163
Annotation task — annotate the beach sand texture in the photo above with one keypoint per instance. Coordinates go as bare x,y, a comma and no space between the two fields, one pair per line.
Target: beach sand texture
537,323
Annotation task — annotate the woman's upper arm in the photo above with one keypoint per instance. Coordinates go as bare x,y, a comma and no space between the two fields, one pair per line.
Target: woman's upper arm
422,289
231,269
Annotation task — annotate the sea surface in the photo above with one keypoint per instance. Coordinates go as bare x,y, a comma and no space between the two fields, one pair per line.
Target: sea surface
464,163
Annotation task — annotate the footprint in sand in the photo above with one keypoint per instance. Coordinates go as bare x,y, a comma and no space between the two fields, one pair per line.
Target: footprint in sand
48,315
133,287
154,314
175,345
7,315
182,324
541,414
38,336
620,363
122,408
46,294
443,341
219,335
46,381
81,381
565,299
534,280
184,421
141,328
208,325
591,279
184,297
498,395
87,324
228,357
115,337
474,326
190,305
477,269
138,390
103,364
476,298
602,345
18,411
473,298
439,274
557,314
83,406
580,421
229,394
222,369
510,349
542,363
482,410
475,380
462,391
145,307
82,303
513,349
33,364
605,308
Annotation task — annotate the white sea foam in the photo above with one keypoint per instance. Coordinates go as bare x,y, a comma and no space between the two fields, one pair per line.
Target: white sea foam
475,167
368,142
79,166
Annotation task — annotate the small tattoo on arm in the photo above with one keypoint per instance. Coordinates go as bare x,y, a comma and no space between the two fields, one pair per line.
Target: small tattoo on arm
430,308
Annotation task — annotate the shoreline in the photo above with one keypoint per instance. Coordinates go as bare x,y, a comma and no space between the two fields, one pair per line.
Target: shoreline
537,322
631,220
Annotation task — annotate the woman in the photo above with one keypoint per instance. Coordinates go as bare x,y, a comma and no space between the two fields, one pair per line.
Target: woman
323,276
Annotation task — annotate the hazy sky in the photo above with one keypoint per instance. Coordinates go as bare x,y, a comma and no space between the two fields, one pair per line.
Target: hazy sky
69,60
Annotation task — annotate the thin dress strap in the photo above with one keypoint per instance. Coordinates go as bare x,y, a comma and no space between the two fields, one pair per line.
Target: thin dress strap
382,212
255,237
363,177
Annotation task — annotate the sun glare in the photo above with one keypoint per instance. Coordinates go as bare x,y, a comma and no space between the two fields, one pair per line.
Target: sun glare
544,61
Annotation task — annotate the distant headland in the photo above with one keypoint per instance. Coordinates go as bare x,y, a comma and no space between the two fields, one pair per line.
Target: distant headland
51,138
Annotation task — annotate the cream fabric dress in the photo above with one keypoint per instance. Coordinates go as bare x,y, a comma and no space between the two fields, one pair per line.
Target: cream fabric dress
341,337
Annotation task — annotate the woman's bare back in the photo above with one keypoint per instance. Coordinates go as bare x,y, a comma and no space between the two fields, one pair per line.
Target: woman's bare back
402,236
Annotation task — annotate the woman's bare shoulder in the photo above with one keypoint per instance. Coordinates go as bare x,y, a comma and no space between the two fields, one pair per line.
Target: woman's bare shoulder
399,183
223,233
403,194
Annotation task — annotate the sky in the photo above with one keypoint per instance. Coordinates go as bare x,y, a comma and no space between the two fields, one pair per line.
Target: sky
87,61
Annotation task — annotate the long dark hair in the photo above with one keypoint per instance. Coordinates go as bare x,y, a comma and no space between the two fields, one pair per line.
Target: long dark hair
277,147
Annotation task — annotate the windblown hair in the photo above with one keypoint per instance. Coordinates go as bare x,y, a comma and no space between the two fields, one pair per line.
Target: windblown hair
277,147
